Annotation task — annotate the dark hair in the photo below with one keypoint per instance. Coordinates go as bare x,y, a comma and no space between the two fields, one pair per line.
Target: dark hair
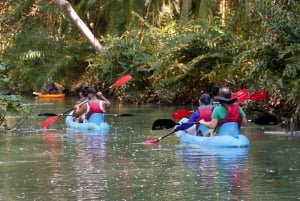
205,99
215,91
84,91
91,90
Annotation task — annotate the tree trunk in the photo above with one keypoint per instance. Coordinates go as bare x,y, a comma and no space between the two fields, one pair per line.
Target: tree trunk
66,7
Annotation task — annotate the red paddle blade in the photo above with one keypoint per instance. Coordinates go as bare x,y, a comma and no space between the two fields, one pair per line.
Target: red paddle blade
181,114
241,95
260,95
122,80
49,121
149,142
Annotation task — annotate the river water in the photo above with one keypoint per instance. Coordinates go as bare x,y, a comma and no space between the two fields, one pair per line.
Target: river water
61,164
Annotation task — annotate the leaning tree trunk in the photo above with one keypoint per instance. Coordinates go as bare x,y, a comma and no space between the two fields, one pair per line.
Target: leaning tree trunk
66,7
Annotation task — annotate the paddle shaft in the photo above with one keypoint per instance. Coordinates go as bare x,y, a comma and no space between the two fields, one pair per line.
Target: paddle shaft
162,137
68,111
149,142
53,114
160,124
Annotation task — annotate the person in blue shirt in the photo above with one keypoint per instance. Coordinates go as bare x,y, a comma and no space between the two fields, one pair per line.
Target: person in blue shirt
53,89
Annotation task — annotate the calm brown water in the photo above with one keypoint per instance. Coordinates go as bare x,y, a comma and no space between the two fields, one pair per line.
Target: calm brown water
60,164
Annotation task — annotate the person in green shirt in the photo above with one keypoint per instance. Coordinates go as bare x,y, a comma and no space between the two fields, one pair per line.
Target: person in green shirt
228,111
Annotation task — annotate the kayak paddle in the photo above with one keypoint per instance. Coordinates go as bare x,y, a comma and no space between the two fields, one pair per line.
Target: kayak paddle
154,141
260,95
114,115
52,119
179,114
160,124
241,95
120,115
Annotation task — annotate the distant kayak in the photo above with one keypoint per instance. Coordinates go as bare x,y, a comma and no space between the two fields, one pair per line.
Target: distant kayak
41,95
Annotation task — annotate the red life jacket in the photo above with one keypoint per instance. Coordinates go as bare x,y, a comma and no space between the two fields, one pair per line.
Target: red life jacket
205,112
233,114
94,107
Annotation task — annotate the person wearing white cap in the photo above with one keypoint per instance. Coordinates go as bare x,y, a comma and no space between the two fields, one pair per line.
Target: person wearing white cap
228,111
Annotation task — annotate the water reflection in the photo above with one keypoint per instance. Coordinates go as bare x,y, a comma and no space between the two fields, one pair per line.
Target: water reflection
51,140
219,171
89,163
77,163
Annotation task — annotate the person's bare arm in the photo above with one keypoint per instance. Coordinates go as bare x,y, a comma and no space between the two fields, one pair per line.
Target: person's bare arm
209,124
244,121
80,109
106,101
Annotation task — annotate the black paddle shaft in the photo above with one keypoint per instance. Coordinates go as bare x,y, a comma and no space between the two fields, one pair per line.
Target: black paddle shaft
162,137
114,115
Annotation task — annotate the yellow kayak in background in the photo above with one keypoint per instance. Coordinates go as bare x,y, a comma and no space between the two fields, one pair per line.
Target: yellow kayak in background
41,95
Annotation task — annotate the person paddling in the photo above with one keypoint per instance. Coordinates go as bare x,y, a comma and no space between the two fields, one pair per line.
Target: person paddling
228,111
203,112
83,96
52,89
94,105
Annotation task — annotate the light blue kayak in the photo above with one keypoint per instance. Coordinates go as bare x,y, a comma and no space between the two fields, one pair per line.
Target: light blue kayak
227,137
95,123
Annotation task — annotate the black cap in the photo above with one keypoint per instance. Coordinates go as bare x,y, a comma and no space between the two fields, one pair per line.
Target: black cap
91,90
205,99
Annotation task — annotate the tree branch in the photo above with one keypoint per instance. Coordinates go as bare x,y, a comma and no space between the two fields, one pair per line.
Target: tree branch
67,8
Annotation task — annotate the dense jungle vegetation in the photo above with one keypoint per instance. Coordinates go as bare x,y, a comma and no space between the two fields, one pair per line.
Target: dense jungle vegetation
174,49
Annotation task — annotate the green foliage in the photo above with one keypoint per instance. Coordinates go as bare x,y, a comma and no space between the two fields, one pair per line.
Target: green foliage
45,46
9,105
3,76
253,43
171,58
275,50
32,66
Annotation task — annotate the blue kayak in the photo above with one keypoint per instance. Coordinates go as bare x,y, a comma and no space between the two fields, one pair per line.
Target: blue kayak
227,137
95,123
